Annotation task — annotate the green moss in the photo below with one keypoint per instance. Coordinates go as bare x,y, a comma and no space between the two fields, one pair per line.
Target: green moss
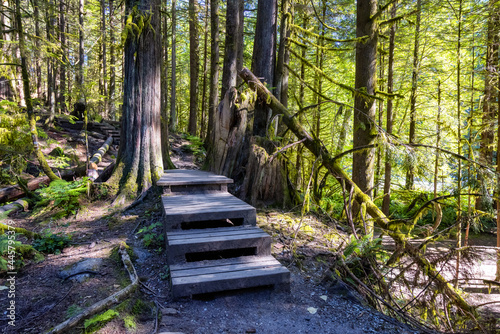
93,324
130,323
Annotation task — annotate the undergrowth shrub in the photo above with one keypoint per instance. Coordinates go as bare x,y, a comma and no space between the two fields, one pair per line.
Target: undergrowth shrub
52,243
61,198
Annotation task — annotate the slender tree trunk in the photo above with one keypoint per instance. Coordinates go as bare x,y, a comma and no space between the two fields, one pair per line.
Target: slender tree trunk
281,80
112,62
139,163
38,68
364,107
173,100
104,59
229,71
51,77
459,150
380,115
204,104
240,39
81,51
194,67
27,95
214,69
62,67
410,177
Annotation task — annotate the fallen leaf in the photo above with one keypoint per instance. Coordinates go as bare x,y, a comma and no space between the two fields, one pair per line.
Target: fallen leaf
312,310
324,297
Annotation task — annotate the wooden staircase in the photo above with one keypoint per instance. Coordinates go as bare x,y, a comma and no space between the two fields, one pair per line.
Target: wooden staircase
212,241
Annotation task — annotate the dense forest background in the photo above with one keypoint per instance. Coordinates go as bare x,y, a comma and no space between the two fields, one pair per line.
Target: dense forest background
402,95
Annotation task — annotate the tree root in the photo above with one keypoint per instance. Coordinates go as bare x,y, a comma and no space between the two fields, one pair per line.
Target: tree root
105,303
28,234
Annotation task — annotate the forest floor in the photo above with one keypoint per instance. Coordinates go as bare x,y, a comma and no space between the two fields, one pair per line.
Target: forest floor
315,304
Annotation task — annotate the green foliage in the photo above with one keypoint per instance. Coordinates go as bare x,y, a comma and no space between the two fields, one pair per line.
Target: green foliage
52,243
13,252
62,197
362,247
130,323
73,310
150,236
165,273
196,147
99,320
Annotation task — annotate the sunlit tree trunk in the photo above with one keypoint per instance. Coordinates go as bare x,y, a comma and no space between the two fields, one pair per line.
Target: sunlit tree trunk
204,102
283,53
173,101
81,52
194,67
38,69
64,57
112,62
104,60
364,107
139,163
410,177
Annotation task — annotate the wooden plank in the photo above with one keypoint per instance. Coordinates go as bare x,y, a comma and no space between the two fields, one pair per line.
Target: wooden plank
214,231
204,236
186,286
265,262
213,239
202,202
191,177
217,263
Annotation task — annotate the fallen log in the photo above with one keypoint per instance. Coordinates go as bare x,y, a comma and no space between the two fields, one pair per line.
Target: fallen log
105,303
96,158
19,205
316,147
14,192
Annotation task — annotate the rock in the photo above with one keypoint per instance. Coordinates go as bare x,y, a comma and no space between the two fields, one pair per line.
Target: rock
169,311
90,264
251,330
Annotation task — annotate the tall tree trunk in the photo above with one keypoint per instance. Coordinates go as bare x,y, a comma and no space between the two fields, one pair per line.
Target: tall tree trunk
204,102
139,163
410,176
214,70
81,52
51,73
112,62
281,80
264,58
459,150
27,95
165,144
364,107
194,67
240,39
386,202
229,71
173,100
64,57
104,60
38,68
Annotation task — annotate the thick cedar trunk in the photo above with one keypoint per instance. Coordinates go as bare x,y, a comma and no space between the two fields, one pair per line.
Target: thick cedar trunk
319,150
240,39
264,58
172,123
229,71
410,177
194,67
139,163
364,107
386,202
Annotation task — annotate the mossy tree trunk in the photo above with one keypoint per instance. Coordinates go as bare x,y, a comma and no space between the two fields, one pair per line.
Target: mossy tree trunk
139,163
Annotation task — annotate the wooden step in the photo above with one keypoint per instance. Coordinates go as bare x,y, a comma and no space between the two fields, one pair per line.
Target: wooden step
228,274
206,207
189,181
183,246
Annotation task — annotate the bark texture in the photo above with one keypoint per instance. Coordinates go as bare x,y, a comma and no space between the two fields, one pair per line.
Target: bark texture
194,67
139,163
364,107
229,71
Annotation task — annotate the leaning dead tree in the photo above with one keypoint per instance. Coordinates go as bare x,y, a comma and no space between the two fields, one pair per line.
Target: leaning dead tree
320,151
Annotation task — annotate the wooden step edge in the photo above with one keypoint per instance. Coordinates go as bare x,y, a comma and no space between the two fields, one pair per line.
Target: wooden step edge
221,262
224,268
